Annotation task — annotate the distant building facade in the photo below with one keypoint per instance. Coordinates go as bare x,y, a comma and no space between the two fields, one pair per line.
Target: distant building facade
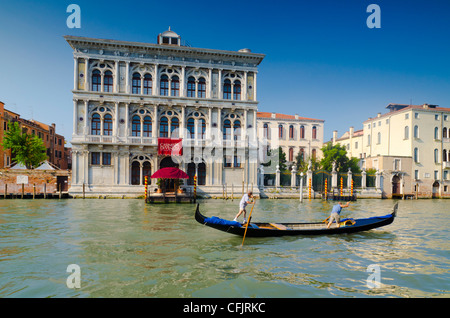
53,142
293,133
411,146
131,100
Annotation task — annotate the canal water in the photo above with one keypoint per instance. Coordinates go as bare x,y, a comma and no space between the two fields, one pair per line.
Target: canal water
125,248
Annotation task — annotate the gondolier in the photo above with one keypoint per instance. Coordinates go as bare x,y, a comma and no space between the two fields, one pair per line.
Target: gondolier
337,208
243,204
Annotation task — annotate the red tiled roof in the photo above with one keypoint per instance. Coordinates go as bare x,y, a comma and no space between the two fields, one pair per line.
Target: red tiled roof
283,116
408,107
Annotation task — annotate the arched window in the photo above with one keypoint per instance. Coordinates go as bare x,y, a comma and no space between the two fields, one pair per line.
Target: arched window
237,130
444,155
175,86
291,132
202,128
108,82
444,132
107,125
227,129
237,90
416,131
147,126
416,154
302,154
191,128
96,80
266,130
191,87
291,154
436,133
95,124
406,132
174,125
201,169
146,171
135,172
302,132
280,131
436,156
136,83
314,154
314,132
148,84
164,86
201,88
378,138
136,126
164,127
227,89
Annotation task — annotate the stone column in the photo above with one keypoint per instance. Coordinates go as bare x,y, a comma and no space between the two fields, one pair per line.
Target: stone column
364,179
334,177
378,180
86,117
277,177
349,178
75,116
75,73
294,176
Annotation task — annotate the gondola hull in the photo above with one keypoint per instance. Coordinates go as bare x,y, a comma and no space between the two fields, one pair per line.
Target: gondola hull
293,229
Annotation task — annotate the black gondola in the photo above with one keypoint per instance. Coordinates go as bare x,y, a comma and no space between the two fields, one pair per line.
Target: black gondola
282,229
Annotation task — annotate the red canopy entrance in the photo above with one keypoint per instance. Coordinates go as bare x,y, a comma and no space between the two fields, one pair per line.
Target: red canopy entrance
170,173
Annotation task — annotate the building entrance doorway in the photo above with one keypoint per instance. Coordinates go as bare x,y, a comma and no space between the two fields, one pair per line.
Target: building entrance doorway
396,185
435,191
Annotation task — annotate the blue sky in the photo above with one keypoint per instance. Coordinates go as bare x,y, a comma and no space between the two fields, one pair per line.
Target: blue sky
322,61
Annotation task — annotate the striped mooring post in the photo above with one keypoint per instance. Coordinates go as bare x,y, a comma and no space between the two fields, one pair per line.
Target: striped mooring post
351,189
146,187
342,186
309,190
195,187
326,189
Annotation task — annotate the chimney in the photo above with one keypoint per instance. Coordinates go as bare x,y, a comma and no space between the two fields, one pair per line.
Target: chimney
350,131
334,136
274,115
379,115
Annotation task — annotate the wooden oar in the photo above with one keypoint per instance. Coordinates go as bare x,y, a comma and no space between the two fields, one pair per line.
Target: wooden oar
249,217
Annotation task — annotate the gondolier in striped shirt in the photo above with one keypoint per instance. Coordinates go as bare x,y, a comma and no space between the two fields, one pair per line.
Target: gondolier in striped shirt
243,204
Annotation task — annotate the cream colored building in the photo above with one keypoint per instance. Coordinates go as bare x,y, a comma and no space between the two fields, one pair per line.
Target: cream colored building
410,144
130,98
293,133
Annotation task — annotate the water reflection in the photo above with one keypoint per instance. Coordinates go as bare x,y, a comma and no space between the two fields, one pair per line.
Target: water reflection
128,249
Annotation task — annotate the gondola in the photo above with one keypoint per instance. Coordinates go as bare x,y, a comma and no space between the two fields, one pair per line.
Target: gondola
282,229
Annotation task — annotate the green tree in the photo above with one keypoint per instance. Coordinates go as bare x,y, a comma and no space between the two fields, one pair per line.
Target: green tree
338,154
28,150
302,163
272,155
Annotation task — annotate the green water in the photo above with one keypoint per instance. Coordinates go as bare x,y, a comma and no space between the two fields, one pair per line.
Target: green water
128,249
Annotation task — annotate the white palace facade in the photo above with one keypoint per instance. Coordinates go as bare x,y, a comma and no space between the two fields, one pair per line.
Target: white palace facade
130,98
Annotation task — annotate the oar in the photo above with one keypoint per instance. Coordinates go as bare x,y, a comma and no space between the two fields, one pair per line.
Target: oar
249,217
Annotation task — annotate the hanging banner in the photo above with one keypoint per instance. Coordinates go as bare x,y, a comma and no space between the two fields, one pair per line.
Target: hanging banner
169,147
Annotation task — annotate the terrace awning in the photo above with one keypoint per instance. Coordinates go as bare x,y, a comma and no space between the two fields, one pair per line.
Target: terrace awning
170,173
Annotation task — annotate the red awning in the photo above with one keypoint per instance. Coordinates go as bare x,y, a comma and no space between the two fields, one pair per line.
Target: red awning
170,173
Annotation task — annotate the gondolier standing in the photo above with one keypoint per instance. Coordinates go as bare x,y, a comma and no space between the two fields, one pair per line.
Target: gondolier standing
335,213
242,205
